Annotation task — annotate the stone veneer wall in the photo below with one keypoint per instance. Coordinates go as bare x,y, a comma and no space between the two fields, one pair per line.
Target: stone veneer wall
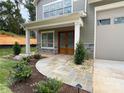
49,51
90,49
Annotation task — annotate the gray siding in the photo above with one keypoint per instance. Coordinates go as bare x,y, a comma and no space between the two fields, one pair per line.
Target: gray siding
87,32
77,6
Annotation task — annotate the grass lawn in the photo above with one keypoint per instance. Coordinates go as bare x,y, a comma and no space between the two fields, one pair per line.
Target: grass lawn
9,51
5,67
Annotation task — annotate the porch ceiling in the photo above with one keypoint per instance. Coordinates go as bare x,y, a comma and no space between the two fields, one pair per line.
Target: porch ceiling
61,21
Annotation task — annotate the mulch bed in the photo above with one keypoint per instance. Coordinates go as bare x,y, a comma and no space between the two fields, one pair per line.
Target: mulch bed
26,86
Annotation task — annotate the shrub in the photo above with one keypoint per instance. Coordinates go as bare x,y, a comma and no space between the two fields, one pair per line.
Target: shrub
48,86
17,49
21,71
37,56
27,59
79,55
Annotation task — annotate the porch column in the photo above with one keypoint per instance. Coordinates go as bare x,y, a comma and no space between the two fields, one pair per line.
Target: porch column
27,42
76,33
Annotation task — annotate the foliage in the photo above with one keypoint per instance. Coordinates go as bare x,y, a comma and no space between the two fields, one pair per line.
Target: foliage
5,68
29,6
9,50
16,49
37,56
22,71
27,59
79,55
10,17
7,33
31,9
5,89
48,86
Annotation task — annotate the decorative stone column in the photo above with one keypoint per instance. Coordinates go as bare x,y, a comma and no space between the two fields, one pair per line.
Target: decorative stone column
76,33
38,41
28,42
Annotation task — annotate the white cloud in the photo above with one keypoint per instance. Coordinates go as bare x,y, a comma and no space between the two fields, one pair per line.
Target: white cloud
24,12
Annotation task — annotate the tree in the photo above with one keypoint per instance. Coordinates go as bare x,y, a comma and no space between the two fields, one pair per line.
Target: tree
80,53
31,9
10,17
29,6
16,49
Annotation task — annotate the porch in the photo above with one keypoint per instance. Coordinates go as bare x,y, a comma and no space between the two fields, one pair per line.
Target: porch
57,35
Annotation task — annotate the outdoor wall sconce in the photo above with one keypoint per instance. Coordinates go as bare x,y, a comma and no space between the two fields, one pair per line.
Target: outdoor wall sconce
78,86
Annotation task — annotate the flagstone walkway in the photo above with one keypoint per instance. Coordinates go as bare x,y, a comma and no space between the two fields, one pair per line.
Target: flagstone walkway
63,68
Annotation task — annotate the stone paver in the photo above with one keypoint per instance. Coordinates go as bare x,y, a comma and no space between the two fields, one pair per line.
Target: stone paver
62,68
108,76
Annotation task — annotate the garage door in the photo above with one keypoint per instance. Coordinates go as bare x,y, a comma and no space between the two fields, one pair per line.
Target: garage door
110,34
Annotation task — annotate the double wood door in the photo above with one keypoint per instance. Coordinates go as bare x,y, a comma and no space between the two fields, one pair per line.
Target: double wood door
66,42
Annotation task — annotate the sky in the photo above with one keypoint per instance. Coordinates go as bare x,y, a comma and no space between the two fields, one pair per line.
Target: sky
23,11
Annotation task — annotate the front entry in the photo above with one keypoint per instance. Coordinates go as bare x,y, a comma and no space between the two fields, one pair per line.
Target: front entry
66,42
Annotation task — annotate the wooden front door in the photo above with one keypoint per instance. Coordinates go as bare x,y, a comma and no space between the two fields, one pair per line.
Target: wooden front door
66,42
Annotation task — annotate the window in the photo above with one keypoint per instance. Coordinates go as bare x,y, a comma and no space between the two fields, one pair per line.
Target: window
57,8
67,10
119,20
47,40
103,22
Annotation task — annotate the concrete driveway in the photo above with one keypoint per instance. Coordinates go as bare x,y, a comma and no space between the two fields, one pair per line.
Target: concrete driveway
63,68
108,76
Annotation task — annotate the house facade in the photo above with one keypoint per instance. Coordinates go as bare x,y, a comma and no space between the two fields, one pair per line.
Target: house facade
61,24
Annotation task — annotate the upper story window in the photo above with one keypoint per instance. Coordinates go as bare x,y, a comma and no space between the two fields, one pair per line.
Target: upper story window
104,21
57,8
119,20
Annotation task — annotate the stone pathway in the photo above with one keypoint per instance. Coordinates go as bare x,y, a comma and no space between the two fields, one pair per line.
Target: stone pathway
63,68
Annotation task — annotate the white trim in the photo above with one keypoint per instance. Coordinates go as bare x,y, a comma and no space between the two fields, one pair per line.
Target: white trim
52,3
101,8
36,13
95,24
27,42
85,9
72,4
63,8
76,34
110,6
93,1
53,40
